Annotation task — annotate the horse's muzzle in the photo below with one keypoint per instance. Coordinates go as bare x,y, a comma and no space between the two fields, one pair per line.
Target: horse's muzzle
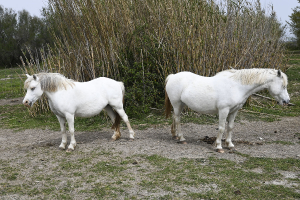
27,104
285,103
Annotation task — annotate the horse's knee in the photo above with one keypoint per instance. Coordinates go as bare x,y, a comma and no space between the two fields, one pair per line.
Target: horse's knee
230,126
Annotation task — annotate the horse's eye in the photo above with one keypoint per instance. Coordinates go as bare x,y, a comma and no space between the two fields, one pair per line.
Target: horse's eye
32,88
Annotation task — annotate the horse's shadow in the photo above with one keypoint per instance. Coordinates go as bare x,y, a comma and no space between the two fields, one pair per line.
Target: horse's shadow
105,136
80,137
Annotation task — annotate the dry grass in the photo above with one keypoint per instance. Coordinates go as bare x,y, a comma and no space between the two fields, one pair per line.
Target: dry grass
99,38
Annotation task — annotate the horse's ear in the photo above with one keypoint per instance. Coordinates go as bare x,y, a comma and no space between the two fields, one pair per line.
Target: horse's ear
27,75
279,73
35,77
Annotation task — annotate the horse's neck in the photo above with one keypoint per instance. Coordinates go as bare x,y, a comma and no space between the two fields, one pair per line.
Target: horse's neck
251,89
51,96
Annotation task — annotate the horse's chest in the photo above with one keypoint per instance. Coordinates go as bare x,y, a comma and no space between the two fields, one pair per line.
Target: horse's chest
55,110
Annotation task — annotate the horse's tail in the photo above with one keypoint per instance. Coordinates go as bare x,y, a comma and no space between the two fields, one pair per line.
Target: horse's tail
117,122
168,106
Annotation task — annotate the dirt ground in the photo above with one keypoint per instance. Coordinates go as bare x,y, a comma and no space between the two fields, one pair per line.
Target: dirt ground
11,102
280,139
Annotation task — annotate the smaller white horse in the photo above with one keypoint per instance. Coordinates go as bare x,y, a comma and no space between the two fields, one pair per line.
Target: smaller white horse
68,98
223,94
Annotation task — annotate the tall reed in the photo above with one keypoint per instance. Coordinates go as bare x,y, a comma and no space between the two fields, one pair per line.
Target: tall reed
125,39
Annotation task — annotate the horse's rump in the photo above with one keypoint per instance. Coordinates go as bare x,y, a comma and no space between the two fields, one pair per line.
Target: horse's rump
168,106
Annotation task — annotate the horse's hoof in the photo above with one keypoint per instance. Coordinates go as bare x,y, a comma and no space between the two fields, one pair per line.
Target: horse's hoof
175,138
114,139
131,139
182,142
69,150
61,148
220,151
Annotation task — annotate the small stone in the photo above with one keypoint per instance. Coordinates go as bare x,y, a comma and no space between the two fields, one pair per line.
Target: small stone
135,162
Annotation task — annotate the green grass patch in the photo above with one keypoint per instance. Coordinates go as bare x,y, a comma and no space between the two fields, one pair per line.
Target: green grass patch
154,176
11,86
260,109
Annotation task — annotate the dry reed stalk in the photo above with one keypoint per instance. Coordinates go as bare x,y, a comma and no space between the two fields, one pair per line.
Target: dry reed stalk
98,38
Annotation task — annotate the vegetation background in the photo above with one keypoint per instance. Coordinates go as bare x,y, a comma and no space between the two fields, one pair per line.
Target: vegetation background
140,44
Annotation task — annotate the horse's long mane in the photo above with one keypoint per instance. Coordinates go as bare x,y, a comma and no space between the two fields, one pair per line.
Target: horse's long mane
51,82
255,76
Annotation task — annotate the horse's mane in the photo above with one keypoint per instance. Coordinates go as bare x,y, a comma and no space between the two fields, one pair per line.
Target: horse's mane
51,82
255,76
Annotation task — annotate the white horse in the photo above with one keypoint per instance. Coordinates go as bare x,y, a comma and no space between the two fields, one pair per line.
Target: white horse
68,98
223,94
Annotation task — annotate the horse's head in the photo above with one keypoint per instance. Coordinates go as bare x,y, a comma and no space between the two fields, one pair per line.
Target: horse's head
278,88
34,90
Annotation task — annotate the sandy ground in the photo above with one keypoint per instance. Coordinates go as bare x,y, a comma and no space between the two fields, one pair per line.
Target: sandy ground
258,139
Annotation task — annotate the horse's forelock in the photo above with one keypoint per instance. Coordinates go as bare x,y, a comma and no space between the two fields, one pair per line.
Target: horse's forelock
27,82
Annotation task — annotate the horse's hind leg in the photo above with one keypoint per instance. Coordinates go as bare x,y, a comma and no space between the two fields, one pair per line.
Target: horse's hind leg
177,111
123,115
230,126
70,120
62,122
173,130
112,115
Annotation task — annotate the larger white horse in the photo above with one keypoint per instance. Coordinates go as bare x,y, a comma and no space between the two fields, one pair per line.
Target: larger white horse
223,94
68,98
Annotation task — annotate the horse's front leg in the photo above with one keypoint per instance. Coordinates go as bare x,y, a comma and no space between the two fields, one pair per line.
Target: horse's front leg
70,119
62,122
230,126
222,121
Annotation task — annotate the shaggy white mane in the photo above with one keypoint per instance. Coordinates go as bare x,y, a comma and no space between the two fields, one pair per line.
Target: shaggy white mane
51,82
255,76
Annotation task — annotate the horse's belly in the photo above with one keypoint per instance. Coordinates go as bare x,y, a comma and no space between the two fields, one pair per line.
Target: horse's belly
204,109
203,101
87,112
